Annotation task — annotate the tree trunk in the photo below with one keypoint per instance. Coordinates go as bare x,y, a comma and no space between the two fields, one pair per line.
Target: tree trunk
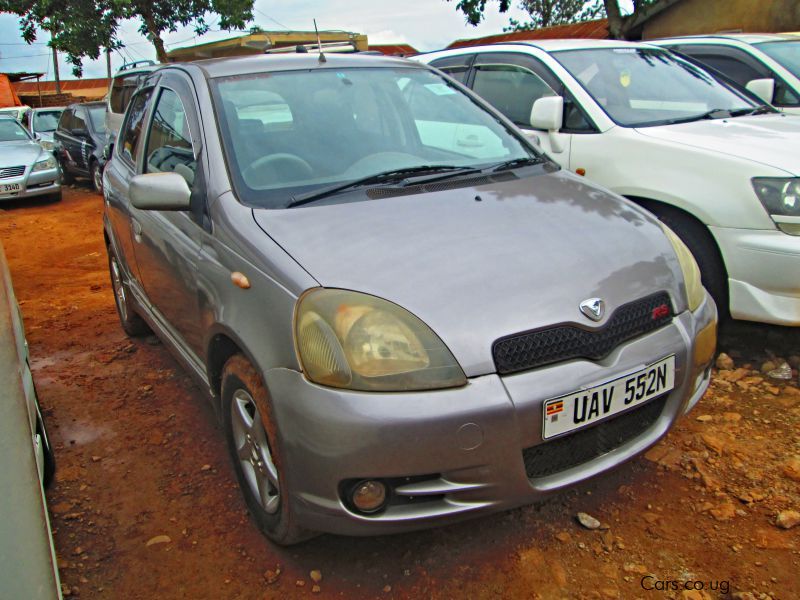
614,19
155,37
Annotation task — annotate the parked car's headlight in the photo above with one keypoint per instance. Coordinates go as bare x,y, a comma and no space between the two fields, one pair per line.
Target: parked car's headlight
691,272
781,198
47,145
361,342
43,165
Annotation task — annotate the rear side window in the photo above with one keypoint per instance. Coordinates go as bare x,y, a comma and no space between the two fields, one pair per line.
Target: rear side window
132,132
121,91
510,89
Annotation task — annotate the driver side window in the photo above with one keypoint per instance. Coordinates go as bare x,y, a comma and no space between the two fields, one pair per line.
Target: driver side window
169,141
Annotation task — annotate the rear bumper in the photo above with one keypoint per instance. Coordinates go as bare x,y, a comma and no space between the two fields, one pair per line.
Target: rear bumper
763,274
41,183
455,454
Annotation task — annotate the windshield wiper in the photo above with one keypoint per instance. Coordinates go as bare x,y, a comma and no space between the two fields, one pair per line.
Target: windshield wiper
764,109
385,177
518,162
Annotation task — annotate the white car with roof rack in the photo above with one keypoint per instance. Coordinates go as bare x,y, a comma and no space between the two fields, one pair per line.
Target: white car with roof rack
124,83
713,162
766,63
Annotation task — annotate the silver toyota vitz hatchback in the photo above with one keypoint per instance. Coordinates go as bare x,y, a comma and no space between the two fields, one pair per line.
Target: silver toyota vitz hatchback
404,313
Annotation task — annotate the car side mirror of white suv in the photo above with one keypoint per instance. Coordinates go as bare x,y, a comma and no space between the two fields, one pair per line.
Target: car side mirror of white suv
548,114
763,88
160,191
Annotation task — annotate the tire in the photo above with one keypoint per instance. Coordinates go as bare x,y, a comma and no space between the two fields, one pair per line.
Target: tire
253,443
67,178
131,322
96,174
712,268
49,455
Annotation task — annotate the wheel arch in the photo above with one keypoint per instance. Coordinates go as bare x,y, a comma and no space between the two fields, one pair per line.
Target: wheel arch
666,211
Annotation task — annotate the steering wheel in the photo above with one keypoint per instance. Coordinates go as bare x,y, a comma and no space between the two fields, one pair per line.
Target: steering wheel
281,166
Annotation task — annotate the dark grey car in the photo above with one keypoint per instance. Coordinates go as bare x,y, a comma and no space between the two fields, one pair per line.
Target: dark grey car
404,314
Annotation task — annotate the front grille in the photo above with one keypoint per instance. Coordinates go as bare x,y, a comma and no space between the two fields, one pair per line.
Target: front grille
9,172
439,186
523,351
580,447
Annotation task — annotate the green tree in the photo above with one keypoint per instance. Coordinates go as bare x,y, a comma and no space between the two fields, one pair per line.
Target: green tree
474,9
547,13
84,28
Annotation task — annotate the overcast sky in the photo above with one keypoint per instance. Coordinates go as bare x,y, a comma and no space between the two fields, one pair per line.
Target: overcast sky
425,24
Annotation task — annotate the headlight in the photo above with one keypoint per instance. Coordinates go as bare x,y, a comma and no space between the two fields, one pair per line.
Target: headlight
781,198
360,342
43,165
691,272
47,145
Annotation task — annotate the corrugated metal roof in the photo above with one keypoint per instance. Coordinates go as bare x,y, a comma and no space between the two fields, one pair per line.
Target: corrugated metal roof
597,30
394,49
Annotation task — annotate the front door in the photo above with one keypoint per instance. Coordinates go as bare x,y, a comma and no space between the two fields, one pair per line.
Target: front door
167,243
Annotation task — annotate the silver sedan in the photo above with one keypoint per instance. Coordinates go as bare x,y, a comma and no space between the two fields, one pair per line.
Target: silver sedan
404,313
26,169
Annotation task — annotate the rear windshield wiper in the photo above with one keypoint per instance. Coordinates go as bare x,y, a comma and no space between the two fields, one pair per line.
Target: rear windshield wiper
386,177
518,162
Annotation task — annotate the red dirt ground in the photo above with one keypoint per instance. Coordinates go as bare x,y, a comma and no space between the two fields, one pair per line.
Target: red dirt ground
140,455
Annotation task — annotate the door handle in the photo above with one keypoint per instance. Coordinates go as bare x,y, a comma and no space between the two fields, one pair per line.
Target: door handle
137,230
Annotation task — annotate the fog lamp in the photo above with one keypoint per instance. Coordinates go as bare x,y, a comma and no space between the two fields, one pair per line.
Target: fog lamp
705,345
368,496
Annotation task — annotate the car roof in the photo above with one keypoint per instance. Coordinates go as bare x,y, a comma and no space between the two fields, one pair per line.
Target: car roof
554,45
747,38
260,63
48,108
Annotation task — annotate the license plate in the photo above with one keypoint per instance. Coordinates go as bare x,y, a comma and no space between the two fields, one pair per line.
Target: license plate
7,188
585,407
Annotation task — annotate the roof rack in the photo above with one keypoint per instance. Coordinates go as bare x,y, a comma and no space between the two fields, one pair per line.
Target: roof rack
136,63
314,48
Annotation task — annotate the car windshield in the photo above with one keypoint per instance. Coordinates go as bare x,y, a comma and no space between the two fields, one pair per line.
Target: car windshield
785,52
638,87
288,134
12,131
97,114
45,121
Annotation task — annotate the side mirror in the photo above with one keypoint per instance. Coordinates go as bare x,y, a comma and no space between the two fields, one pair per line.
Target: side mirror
763,88
108,150
548,113
160,191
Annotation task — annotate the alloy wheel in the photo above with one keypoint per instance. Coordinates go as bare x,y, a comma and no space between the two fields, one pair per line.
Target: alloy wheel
253,452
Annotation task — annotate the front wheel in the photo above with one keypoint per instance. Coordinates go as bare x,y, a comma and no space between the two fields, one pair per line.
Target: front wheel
97,177
253,445
131,322
705,251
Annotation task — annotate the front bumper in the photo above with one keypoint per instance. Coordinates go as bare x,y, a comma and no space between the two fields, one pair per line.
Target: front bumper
41,183
454,454
763,274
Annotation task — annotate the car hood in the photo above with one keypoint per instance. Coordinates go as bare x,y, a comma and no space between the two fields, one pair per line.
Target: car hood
13,154
524,256
772,140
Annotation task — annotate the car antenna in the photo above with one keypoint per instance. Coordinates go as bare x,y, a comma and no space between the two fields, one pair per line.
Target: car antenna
322,58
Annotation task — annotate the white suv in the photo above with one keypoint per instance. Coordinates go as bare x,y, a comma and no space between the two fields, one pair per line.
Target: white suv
712,162
125,82
766,63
